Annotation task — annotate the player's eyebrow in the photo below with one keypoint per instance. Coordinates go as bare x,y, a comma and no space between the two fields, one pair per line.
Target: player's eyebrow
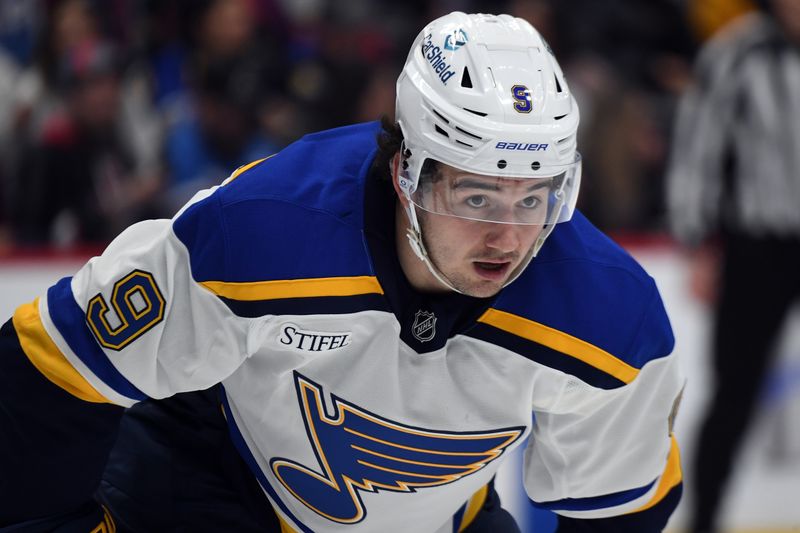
482,184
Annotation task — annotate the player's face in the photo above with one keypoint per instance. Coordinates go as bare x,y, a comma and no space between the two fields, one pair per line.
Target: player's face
476,256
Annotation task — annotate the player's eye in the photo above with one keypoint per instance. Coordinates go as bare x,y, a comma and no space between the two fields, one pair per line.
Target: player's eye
530,202
477,200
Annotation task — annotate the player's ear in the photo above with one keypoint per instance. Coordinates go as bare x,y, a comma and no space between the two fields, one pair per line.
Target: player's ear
394,168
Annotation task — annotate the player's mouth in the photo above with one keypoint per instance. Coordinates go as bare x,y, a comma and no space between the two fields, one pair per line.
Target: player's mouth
492,270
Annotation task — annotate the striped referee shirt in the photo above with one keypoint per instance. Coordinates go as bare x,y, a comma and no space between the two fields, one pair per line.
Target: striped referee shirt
735,160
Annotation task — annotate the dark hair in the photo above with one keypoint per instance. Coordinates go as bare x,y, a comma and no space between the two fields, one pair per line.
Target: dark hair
390,138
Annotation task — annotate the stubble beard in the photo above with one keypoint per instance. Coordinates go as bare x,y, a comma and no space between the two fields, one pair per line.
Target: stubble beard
464,282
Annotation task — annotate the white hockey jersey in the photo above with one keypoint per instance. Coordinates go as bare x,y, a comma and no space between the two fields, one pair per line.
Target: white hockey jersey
358,403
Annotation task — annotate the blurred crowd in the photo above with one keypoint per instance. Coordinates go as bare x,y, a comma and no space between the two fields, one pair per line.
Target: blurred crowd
112,111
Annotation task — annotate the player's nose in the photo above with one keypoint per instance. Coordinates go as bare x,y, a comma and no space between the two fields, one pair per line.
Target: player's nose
502,237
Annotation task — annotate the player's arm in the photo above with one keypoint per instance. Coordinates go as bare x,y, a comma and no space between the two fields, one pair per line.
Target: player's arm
605,459
132,324
53,443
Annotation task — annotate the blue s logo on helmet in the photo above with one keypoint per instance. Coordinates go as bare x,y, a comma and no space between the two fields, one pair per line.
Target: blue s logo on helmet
522,99
455,40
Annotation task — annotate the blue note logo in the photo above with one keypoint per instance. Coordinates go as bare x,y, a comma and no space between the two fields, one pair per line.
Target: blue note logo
360,451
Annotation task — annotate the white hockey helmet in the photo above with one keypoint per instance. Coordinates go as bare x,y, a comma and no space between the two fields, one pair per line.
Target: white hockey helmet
484,94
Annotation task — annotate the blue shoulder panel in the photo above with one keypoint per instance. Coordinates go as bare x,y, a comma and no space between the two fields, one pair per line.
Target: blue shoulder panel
297,215
584,285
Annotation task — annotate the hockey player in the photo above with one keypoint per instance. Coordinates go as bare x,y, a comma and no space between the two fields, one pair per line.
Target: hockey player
376,317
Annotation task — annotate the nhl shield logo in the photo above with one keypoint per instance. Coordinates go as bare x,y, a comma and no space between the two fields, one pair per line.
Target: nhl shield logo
424,328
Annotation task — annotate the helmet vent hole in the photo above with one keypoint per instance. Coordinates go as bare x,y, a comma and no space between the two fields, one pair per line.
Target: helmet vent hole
465,132
440,116
464,144
440,131
536,165
480,114
558,85
466,81
559,117
502,163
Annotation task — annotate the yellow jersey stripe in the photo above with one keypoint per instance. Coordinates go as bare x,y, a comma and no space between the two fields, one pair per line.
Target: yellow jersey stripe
46,356
474,507
294,288
107,525
109,520
561,342
244,168
669,479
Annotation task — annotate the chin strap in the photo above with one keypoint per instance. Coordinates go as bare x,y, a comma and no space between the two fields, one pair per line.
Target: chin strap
413,232
414,235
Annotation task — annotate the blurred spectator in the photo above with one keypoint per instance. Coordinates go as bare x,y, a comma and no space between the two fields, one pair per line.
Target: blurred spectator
378,96
163,48
78,181
67,24
218,133
706,17
19,22
341,49
234,72
27,77
734,196
626,61
8,73
47,103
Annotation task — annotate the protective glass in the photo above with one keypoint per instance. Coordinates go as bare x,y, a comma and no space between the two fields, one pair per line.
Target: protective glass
532,201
